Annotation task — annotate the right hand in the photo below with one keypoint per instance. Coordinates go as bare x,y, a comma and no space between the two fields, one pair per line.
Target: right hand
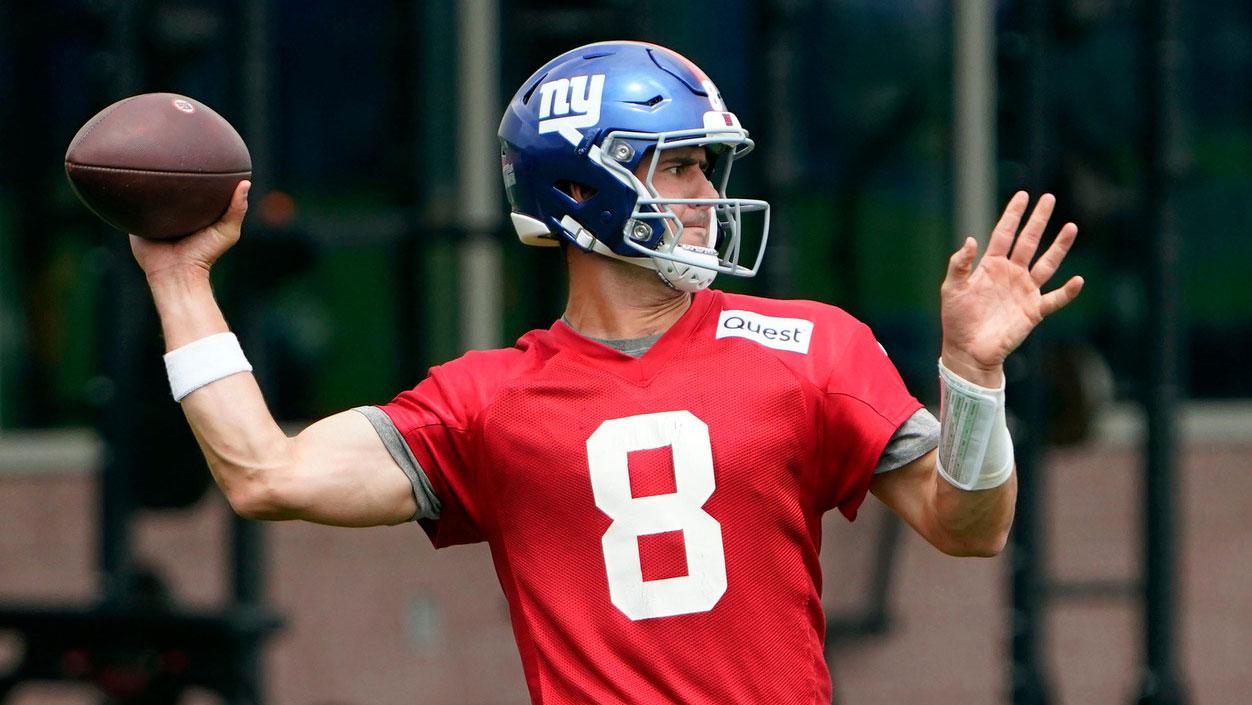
194,253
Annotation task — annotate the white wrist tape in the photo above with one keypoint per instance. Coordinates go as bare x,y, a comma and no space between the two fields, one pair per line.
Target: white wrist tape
203,361
975,449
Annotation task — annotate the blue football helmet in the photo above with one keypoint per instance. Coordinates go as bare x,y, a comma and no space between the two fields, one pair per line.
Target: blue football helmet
589,117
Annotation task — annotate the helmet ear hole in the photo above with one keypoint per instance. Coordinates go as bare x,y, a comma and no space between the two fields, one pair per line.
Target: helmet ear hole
579,193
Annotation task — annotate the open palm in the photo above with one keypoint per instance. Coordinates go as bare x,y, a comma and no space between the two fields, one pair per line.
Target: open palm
988,310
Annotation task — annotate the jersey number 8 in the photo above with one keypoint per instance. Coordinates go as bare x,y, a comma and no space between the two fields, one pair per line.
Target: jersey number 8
688,439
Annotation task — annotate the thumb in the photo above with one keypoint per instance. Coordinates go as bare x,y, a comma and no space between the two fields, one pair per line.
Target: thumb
961,263
233,217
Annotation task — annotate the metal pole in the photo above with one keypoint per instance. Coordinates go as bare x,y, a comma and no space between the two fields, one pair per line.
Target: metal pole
974,129
248,537
123,322
781,163
256,67
1161,50
478,171
1029,682
22,49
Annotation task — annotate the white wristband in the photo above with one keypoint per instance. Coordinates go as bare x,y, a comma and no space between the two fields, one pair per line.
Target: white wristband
203,361
975,449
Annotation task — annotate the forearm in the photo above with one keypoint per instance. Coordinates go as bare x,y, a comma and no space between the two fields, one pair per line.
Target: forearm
974,513
973,523
245,449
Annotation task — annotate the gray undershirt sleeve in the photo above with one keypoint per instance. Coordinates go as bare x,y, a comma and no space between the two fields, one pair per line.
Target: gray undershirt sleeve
428,506
916,437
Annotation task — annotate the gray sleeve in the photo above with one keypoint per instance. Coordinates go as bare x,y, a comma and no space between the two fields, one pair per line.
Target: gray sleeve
917,436
428,506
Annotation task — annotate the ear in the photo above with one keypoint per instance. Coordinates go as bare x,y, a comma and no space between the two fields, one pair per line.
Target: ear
579,192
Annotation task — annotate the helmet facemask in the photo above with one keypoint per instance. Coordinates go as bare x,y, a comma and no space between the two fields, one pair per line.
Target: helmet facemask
654,230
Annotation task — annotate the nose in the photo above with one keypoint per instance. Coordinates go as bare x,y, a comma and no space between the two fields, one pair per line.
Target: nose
704,187
698,186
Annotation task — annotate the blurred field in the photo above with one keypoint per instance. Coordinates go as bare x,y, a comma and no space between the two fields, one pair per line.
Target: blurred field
376,617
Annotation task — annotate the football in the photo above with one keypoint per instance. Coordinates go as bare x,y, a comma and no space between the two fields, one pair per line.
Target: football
158,165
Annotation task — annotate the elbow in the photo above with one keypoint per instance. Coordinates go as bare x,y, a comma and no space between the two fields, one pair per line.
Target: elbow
259,497
257,484
987,545
984,550
252,500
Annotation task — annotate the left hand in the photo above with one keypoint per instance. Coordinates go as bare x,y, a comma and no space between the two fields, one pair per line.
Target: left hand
988,310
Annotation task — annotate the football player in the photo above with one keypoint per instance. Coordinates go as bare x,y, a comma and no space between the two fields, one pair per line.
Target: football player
652,470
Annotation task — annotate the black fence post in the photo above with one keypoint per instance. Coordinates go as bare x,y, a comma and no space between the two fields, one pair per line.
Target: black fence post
1160,55
1027,136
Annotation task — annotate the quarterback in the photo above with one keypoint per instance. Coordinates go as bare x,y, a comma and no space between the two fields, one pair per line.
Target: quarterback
651,471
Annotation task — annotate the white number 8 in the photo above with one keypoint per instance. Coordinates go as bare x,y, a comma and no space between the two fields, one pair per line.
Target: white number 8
688,439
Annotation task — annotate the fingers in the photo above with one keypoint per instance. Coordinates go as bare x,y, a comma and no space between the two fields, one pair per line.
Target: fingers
961,263
1028,239
1002,235
1056,300
1051,259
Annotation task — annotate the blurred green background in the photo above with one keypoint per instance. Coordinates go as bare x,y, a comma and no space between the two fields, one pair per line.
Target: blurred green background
349,267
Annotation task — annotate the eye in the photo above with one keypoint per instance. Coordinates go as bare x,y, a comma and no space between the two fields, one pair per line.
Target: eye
685,168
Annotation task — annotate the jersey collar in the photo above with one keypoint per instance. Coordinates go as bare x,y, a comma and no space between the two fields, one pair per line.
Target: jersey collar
643,368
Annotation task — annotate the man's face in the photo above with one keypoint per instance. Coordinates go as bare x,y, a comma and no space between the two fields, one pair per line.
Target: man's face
681,173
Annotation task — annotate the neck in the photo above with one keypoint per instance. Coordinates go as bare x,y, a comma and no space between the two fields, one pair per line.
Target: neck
617,300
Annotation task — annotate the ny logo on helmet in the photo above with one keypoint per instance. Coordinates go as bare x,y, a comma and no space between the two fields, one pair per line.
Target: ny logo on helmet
570,102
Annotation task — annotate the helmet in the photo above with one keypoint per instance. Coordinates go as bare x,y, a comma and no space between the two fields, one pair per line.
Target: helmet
590,117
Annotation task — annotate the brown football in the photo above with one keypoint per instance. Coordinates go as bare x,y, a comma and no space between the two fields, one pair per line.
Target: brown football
158,165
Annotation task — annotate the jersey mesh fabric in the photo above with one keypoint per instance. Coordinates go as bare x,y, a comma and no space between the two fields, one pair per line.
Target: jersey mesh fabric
504,436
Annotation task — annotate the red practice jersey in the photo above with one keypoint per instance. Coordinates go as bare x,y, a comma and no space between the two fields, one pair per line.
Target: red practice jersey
655,522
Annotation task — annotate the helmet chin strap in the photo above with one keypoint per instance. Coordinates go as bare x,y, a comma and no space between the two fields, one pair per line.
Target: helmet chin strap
688,277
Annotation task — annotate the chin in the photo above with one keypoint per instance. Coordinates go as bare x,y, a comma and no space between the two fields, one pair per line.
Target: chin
693,235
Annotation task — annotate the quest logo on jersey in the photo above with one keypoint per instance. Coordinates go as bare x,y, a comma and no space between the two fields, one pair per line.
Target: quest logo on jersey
791,334
570,102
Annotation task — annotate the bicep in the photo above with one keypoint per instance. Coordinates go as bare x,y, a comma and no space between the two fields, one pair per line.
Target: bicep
342,474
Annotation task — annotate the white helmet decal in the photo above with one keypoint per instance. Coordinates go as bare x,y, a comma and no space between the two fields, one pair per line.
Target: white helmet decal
572,102
715,96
